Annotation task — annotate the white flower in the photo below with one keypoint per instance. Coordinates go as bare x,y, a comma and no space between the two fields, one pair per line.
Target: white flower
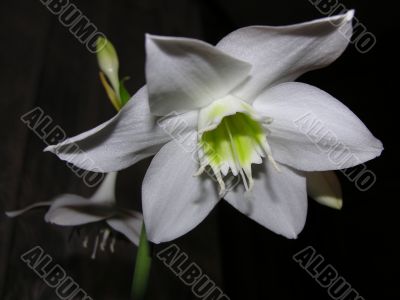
74,210
239,103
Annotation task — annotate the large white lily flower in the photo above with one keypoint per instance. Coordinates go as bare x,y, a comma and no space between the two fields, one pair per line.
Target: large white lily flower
74,210
239,104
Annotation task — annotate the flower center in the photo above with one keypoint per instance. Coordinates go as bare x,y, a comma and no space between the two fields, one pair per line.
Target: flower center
233,140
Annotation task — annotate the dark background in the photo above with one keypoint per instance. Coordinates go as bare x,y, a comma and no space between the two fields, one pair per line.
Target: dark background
42,64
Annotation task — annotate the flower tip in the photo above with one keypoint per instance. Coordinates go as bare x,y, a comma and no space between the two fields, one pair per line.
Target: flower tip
350,15
339,204
379,147
49,149
101,43
49,218
331,202
150,37
10,214
292,235
154,37
106,53
375,149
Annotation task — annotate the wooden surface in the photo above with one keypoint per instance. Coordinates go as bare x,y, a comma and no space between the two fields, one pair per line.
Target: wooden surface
43,65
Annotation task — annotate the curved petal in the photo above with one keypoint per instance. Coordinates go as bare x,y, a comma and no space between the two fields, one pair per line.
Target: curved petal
133,134
278,200
105,194
312,131
72,210
16,213
175,201
324,187
129,223
184,74
283,53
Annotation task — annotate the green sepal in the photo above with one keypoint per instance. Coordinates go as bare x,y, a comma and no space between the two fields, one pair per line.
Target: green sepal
123,92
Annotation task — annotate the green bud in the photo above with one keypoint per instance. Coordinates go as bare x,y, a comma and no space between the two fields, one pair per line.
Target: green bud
108,62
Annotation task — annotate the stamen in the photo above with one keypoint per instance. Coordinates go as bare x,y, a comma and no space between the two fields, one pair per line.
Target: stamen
106,234
265,146
96,243
199,171
249,175
112,244
246,186
85,242
233,148
267,150
221,183
236,156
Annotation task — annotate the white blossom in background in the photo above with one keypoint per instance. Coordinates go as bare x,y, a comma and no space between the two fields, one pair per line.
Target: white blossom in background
74,210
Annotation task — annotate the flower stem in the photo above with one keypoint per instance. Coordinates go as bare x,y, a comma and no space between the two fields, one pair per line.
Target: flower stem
142,267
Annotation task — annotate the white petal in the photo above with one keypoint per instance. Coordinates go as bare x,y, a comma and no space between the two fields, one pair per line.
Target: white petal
184,74
324,187
312,131
174,201
104,197
280,54
72,210
129,223
133,134
16,213
105,194
278,200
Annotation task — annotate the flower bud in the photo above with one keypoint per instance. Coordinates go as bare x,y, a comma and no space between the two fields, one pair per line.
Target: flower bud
108,61
324,187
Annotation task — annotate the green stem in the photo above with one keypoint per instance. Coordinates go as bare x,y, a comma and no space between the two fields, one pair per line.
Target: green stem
142,267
